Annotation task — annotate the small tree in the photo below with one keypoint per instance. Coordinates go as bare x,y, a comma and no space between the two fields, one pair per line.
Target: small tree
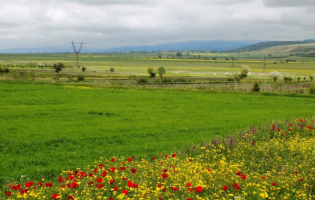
80,78
83,69
58,67
161,71
256,87
304,78
298,78
179,54
160,55
311,78
151,72
275,78
112,69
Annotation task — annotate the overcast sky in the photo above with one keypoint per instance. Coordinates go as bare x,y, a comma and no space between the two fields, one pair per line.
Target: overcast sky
114,23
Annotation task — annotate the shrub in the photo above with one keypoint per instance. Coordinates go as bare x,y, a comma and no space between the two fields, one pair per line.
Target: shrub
166,80
83,69
256,87
151,72
142,81
80,78
311,78
112,69
312,90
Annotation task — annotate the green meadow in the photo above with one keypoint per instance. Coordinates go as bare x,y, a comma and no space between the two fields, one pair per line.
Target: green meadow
47,128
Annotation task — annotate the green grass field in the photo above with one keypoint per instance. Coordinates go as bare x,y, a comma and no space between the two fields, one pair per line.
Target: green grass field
47,128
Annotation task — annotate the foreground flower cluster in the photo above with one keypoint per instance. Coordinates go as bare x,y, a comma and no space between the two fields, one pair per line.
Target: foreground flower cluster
272,163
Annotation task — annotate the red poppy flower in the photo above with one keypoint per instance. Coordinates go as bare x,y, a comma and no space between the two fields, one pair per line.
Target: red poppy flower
209,170
99,186
166,156
39,184
112,181
115,188
154,158
301,179
95,170
290,129
263,177
291,124
273,183
199,189
112,159
112,169
162,163
71,177
253,131
55,196
159,185
125,192
238,173
74,185
110,199
60,179
191,160
253,143
22,191
133,157
296,172
91,183
285,134
129,159
225,187
49,184
188,184
70,197
243,176
165,170
133,170
194,147
130,184
174,188
28,184
236,186
173,155
190,189
16,187
171,166
104,173
124,178
279,130
100,165
99,180
189,199
164,175
8,193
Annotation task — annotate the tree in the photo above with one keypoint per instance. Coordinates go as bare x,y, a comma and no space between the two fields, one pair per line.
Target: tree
256,87
160,55
151,72
161,71
275,78
83,69
58,67
311,78
112,69
179,54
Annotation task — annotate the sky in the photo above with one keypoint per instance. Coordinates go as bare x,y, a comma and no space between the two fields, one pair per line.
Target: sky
114,23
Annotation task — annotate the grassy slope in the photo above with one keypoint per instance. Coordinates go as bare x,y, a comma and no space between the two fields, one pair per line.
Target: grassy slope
49,128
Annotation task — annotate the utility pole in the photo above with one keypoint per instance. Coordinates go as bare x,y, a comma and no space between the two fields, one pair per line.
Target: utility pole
77,53
264,64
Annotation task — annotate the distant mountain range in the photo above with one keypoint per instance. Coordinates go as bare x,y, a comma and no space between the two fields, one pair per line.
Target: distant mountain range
216,45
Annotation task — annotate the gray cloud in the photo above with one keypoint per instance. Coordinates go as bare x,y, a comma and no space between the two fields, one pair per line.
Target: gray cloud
113,23
289,3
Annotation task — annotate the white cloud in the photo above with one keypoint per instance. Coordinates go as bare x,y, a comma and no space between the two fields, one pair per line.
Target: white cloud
112,23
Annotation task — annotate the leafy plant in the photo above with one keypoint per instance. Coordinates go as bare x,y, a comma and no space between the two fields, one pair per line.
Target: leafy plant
83,69
80,78
256,87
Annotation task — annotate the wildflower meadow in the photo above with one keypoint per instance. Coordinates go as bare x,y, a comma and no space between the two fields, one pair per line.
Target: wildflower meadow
272,162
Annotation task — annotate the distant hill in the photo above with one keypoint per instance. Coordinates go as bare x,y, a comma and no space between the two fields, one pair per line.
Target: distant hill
216,45
265,45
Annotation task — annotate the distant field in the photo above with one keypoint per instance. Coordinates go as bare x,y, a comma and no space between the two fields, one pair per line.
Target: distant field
47,128
137,64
